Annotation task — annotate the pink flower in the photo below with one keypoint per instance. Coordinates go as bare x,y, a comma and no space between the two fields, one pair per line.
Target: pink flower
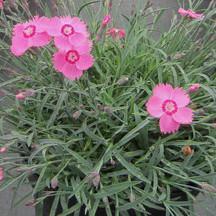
106,20
27,35
169,104
116,33
74,61
191,14
193,88
66,31
3,149
1,4
1,174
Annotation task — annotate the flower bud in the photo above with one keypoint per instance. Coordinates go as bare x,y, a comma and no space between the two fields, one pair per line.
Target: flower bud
193,88
123,80
1,174
20,96
31,203
132,197
187,150
54,183
108,110
178,55
76,115
94,179
3,149
106,20
207,187
27,93
112,162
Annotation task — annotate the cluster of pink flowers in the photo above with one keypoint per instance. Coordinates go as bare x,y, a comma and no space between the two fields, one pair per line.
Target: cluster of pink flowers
116,33
170,106
191,14
71,38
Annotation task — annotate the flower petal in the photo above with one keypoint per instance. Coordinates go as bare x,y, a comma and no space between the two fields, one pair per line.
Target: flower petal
19,45
40,39
62,43
84,47
77,39
183,115
50,25
163,91
71,71
168,125
59,61
181,97
154,106
85,62
79,26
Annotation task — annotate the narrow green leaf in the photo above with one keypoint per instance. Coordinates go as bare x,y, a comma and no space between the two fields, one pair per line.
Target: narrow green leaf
136,172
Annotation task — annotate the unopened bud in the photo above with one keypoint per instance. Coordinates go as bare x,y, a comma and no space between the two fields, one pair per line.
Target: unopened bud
200,112
31,203
106,20
76,115
214,125
108,109
1,174
178,56
207,187
187,150
94,179
112,162
22,95
54,183
123,81
3,149
132,197
193,88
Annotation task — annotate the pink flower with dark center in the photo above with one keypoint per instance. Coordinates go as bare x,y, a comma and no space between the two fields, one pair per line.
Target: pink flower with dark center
3,149
27,35
74,61
66,31
1,174
169,104
116,33
106,20
193,88
191,14
1,4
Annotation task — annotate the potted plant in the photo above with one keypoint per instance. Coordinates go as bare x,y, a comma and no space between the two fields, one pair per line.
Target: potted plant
103,119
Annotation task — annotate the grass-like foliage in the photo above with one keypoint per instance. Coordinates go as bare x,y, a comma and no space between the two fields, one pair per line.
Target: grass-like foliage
93,135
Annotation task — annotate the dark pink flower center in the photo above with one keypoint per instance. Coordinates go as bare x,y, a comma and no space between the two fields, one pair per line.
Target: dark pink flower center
169,107
67,30
29,31
72,56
